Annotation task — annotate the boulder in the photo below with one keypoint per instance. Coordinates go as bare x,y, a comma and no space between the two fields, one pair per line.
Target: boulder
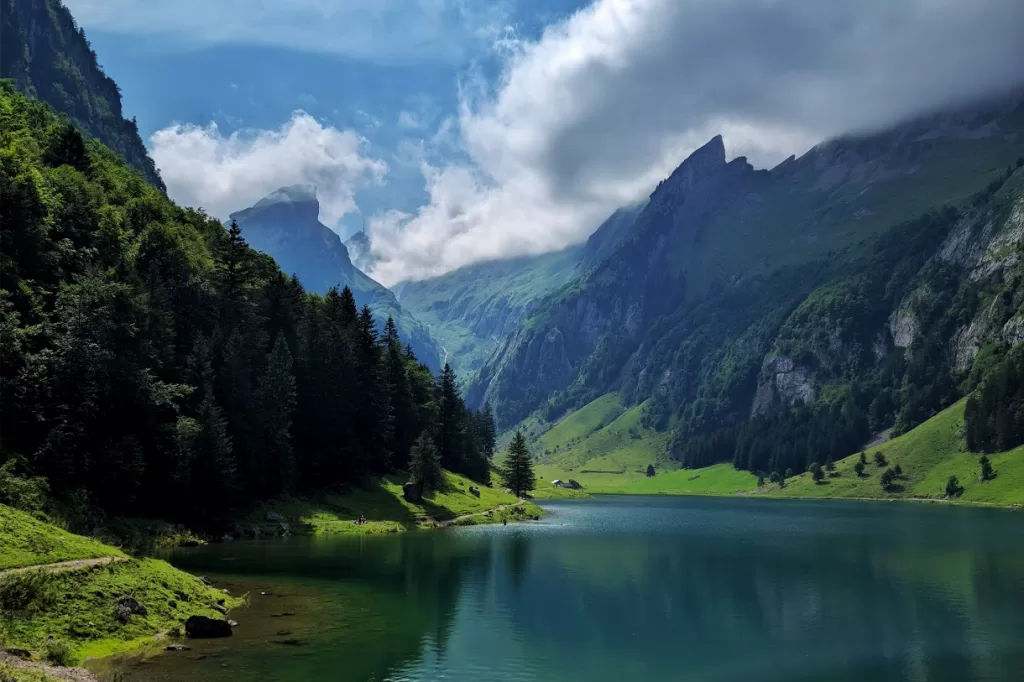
127,607
412,492
177,647
220,608
274,517
474,491
201,627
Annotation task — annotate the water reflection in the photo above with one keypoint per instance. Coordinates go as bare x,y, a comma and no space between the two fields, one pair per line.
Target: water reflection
640,589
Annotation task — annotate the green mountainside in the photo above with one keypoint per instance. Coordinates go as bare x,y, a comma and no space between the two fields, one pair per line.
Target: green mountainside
155,365
470,310
47,56
776,318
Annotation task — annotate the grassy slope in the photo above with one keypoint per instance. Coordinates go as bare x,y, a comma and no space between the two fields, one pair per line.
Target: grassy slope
24,541
384,507
597,437
77,606
928,455
602,445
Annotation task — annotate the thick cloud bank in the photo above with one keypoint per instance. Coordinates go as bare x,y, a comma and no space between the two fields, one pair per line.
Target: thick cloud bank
225,173
603,105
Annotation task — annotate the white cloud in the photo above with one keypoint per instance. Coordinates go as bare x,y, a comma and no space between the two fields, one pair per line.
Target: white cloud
225,173
408,120
384,31
607,102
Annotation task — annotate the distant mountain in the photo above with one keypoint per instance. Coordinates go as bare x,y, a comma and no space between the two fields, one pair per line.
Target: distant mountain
470,310
47,56
777,317
358,246
286,225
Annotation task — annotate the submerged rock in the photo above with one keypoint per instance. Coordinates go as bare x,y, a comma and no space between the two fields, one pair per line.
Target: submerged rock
201,627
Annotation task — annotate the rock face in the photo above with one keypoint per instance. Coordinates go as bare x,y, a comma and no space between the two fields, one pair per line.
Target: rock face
782,383
201,627
286,225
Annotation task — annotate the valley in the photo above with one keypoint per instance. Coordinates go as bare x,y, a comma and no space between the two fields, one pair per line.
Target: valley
491,459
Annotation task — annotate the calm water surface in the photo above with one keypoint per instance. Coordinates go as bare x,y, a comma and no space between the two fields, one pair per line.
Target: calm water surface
627,588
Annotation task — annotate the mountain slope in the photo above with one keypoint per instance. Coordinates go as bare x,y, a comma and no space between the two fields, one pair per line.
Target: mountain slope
285,224
469,310
47,56
758,311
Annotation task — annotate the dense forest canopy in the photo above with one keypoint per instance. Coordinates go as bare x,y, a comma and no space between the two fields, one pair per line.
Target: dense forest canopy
155,364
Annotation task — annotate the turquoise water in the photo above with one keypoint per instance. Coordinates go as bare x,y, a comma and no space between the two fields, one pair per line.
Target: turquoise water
628,588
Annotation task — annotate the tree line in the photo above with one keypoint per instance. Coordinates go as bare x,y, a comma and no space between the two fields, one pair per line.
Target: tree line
154,364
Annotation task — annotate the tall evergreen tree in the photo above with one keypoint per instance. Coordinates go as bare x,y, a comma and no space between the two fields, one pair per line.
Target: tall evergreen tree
451,418
425,463
517,473
274,402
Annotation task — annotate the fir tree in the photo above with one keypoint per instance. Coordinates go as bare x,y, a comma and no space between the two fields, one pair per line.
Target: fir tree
987,473
451,425
817,474
425,464
273,405
518,471
650,471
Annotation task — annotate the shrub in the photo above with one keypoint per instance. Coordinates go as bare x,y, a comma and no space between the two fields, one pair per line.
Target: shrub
28,591
953,487
887,478
59,652
880,459
897,471
859,468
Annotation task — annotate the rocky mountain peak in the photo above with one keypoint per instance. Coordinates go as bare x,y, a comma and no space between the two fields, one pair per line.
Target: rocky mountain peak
294,204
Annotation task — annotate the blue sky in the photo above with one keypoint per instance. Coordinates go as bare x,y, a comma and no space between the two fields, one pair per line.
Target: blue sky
390,91
465,130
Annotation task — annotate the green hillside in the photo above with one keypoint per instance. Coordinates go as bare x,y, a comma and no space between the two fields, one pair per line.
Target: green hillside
385,509
26,541
470,310
603,445
68,614
928,456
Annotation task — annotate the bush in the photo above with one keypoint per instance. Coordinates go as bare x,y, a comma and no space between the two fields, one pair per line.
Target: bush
987,473
58,652
953,488
897,471
887,478
859,468
27,592
880,459
27,493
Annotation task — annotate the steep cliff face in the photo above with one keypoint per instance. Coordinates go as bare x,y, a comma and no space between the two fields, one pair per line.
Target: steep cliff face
47,56
736,293
286,225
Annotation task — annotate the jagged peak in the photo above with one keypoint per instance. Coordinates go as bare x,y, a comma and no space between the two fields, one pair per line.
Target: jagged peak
292,194
701,163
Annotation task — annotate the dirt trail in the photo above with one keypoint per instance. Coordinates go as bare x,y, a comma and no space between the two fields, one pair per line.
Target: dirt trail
60,673
65,565
500,508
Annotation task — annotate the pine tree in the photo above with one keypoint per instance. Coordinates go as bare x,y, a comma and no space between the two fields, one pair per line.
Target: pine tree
518,473
650,471
451,421
817,474
488,430
273,405
212,475
425,464
986,468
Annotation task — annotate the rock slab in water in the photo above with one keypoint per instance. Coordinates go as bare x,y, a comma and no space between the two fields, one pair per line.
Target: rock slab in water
177,647
201,627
